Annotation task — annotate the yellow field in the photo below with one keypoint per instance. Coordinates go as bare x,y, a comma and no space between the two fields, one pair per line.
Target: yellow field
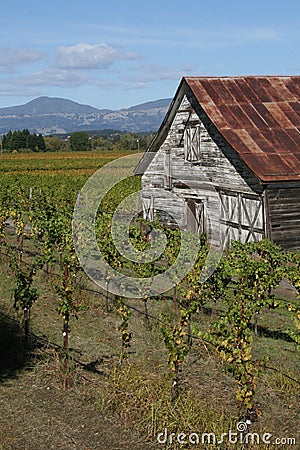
52,163
59,175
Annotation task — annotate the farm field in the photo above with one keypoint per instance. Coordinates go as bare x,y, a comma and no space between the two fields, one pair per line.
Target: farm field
116,388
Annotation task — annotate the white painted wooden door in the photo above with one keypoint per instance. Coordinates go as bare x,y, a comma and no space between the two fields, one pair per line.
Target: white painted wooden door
195,216
242,217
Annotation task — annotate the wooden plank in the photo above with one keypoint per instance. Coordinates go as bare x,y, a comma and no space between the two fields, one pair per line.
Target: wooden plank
219,163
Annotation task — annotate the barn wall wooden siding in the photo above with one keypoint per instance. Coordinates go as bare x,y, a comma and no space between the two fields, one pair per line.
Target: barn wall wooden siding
246,209
283,203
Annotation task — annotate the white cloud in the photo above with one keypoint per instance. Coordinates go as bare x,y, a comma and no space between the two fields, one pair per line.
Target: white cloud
152,73
11,58
86,56
51,77
11,91
137,85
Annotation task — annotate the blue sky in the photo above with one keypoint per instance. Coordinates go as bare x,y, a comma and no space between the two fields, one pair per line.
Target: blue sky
116,54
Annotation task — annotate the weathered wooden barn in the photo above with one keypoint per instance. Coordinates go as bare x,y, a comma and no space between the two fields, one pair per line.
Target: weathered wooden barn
227,157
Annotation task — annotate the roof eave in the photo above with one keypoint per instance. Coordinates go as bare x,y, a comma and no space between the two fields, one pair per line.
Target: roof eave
162,131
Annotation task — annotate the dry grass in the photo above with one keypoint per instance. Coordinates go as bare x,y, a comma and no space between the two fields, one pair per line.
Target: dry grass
98,404
113,407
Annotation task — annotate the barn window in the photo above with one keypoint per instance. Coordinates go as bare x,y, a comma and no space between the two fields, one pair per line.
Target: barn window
148,208
192,143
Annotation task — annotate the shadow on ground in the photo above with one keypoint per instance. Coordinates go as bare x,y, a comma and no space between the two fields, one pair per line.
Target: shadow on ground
15,352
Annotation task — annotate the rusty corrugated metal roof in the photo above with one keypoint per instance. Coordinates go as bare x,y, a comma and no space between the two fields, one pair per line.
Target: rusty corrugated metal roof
259,116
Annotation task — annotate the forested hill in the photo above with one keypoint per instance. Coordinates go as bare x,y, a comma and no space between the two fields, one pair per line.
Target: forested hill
48,115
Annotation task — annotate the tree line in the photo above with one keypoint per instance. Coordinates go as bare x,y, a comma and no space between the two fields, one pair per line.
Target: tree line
77,141
17,140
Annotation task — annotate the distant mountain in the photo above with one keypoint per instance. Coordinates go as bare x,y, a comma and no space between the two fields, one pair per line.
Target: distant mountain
50,115
163,103
47,105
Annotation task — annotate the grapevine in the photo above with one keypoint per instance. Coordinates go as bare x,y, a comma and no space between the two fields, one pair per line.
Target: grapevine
177,344
126,335
24,296
293,273
257,268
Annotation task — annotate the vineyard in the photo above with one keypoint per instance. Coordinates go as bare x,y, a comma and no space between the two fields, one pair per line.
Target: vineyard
84,368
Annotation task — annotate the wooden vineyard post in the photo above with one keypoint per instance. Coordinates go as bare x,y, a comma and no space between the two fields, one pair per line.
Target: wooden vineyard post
106,295
256,323
176,342
66,326
146,313
66,330
26,323
175,297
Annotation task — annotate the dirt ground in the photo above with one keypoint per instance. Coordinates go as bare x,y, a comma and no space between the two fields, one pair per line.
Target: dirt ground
38,413
99,412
